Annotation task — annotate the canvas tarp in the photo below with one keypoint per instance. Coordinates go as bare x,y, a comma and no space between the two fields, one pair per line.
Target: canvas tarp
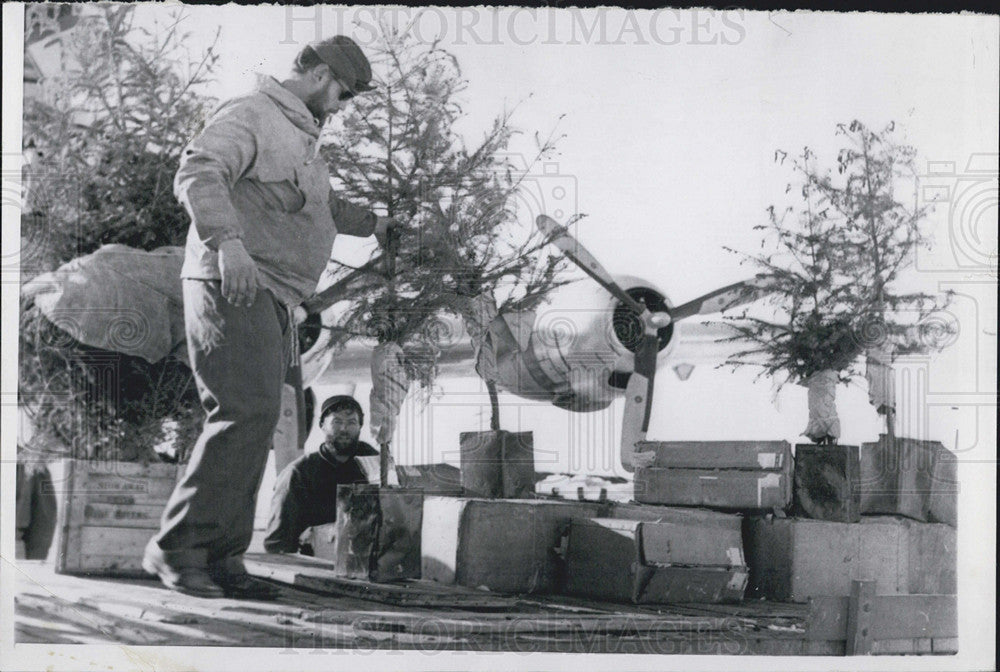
118,298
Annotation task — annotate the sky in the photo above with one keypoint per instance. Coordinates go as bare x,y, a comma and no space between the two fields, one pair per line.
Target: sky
672,141
670,122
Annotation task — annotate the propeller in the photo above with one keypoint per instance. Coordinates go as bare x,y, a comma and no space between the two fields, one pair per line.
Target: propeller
722,299
639,390
568,245
639,395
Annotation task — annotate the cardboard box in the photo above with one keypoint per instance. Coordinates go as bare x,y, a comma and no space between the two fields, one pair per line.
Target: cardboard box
655,562
377,533
793,559
497,464
826,483
108,511
729,489
907,477
504,545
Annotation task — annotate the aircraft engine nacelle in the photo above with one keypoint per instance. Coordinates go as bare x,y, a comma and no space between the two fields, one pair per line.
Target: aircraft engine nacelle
580,353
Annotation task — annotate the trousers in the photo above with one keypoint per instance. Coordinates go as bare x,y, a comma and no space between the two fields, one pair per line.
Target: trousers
239,356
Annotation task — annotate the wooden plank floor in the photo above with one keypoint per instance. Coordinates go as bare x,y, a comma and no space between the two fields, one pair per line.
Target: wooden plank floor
60,609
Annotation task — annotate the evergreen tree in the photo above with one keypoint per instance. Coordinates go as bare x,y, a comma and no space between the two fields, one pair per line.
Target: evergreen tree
398,149
832,269
106,135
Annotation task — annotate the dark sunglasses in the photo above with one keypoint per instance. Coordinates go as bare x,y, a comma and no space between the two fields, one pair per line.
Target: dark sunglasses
345,93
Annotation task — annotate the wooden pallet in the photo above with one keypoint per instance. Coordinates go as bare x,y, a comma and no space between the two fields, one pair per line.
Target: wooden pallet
62,609
862,624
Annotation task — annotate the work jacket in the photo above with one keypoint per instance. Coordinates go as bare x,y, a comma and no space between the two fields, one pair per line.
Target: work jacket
253,173
305,494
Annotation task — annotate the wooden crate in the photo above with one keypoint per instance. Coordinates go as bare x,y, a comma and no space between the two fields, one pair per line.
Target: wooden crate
726,489
497,464
108,511
826,483
795,559
908,477
655,562
729,475
753,455
504,545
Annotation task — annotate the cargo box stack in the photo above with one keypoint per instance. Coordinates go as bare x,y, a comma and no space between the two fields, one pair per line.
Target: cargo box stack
886,513
670,546
657,554
498,535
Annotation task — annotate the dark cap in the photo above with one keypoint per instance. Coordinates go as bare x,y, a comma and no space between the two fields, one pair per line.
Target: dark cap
347,62
341,402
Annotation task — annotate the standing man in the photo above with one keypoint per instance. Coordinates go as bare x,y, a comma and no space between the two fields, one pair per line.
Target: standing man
263,222
306,491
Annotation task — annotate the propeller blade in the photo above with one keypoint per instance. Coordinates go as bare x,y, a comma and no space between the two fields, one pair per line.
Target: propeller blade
579,255
639,403
721,299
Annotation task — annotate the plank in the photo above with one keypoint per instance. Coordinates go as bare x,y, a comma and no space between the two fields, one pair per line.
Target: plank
105,550
933,558
507,624
121,482
139,611
944,644
115,629
311,574
859,618
896,647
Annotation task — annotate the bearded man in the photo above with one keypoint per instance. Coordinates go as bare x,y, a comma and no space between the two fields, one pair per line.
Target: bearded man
305,494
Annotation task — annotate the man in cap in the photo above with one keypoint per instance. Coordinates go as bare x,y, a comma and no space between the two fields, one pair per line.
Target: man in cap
306,491
263,222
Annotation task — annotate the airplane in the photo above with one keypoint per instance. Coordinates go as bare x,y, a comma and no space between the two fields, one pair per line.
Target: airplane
589,344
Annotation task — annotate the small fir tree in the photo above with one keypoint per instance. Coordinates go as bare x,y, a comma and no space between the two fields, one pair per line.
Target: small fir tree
398,149
833,271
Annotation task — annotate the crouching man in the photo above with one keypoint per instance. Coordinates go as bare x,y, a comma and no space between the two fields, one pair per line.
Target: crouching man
305,494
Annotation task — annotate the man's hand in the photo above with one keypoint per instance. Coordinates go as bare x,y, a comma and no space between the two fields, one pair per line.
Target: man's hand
385,227
239,273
